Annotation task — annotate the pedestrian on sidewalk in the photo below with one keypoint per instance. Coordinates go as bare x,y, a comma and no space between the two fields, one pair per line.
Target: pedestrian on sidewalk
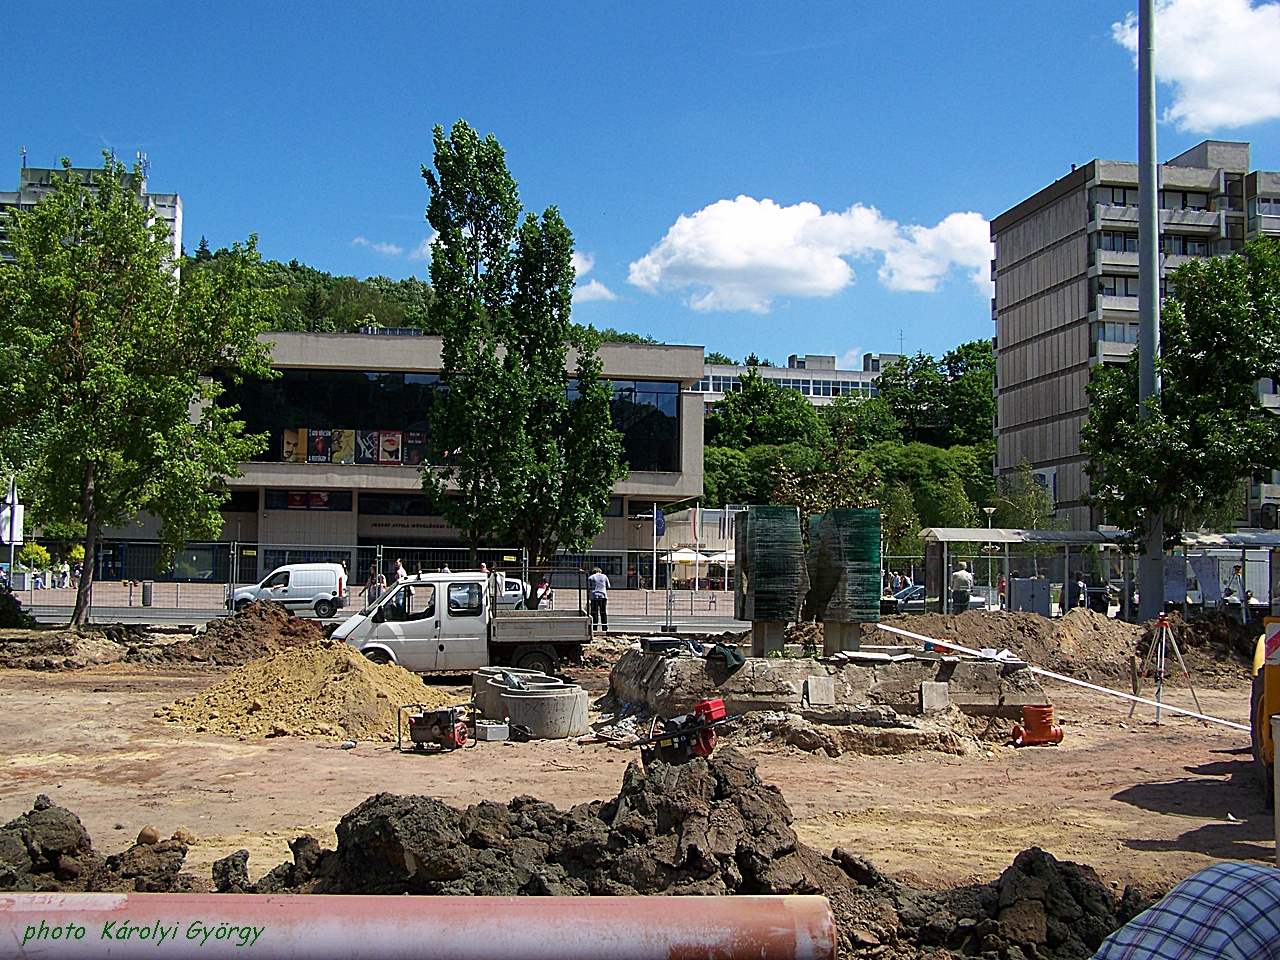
598,599
961,588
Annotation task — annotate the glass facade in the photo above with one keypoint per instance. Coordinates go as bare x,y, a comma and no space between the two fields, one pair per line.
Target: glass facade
340,416
809,386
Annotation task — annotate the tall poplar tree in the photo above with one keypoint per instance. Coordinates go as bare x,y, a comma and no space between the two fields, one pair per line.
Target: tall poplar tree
106,365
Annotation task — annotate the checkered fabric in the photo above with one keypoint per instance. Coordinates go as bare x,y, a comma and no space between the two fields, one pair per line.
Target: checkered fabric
1230,911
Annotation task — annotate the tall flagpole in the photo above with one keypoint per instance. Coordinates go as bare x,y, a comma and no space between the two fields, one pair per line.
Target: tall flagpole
1151,563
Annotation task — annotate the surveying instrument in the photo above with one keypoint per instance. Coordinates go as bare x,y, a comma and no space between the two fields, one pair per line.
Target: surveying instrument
1156,661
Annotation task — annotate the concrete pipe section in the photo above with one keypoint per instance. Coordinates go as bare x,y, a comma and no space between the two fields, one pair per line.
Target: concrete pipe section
317,927
550,713
489,699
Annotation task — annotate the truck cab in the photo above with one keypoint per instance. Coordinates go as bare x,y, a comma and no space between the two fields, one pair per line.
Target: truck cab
451,622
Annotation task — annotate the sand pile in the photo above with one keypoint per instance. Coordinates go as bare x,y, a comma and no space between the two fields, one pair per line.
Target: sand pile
325,689
259,629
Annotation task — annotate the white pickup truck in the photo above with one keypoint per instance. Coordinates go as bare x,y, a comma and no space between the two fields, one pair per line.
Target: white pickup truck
450,621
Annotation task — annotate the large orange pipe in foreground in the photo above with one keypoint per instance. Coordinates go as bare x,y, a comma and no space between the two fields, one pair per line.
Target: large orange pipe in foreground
317,927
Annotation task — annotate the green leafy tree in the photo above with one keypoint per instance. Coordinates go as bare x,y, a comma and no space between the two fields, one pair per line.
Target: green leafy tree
726,476
113,360
721,359
763,413
33,556
610,335
863,421
899,523
1219,334
1024,503
935,477
522,452
841,478
945,403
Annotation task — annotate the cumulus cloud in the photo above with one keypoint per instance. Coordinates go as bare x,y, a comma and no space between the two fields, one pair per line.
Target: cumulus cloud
387,249
592,289
741,254
1220,57
423,250
850,359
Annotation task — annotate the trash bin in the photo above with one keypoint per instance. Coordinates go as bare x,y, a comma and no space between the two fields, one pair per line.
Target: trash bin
147,586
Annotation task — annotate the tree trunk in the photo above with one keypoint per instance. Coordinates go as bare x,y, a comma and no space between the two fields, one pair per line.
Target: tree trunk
84,590
473,551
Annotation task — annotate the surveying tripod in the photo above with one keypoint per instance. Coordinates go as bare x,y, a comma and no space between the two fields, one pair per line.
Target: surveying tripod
1155,661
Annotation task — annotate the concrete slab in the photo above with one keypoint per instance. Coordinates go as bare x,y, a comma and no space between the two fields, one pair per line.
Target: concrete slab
861,692
934,696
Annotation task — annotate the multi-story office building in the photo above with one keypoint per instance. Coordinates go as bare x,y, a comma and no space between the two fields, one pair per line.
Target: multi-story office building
1066,279
35,182
815,376
346,423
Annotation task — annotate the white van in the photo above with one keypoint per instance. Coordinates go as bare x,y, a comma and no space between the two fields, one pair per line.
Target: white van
321,587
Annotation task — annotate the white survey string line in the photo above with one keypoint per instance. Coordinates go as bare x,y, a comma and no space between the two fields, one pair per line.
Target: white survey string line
1079,683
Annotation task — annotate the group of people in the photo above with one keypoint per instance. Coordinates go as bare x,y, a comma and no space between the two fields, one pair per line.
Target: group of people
59,577
895,582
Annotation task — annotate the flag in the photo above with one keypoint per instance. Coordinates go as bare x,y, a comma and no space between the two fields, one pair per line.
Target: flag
659,522
696,526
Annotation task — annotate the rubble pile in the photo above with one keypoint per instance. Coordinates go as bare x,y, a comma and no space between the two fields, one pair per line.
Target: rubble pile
48,849
706,827
53,650
260,629
326,689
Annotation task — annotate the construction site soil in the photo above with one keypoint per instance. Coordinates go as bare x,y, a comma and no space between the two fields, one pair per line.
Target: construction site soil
260,629
325,689
707,827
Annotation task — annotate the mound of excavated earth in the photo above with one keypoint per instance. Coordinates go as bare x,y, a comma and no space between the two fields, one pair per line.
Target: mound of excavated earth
258,630
325,689
705,827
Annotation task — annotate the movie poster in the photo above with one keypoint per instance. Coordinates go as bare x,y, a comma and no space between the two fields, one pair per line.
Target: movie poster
415,447
390,446
342,449
319,443
366,446
293,447
298,499
319,500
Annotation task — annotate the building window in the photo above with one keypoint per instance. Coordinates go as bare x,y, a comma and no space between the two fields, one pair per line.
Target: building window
1118,196
1182,246
389,505
1115,332
1183,200
646,412
1118,242
1118,286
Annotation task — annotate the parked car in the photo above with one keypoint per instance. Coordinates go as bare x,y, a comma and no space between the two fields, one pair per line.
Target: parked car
912,600
512,591
321,587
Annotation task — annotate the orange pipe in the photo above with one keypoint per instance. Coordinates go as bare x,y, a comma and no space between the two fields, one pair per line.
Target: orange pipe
1037,727
318,927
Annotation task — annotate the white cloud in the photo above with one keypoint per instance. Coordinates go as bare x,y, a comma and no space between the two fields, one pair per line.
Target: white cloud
1221,58
741,254
582,263
850,359
423,250
387,249
592,290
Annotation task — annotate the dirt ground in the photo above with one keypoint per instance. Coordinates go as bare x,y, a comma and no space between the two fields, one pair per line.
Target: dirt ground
1141,804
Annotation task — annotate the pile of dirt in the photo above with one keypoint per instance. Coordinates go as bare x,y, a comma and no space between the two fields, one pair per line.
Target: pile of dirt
48,849
807,635
326,689
951,732
260,629
1092,647
706,827
61,649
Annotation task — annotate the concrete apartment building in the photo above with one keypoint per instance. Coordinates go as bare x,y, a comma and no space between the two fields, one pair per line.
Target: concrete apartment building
814,375
35,182
346,423
1066,285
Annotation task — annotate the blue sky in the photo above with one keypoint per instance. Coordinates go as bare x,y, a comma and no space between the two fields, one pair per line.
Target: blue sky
867,142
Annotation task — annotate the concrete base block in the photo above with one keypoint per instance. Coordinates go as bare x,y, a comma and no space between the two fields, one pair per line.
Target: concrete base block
934,696
767,636
837,637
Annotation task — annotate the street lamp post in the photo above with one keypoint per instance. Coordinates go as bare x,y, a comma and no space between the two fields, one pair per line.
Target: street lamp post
989,511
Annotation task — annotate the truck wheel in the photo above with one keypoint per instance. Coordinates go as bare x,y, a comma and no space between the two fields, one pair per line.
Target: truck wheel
325,609
241,605
1266,772
377,656
536,658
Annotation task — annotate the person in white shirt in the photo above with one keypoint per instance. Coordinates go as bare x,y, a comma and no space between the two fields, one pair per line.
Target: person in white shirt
961,588
598,599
